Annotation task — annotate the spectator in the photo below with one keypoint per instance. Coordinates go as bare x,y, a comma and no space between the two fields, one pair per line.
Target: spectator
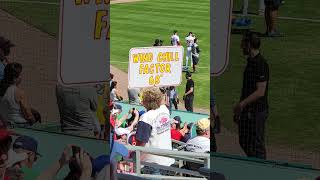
189,41
177,133
111,77
114,94
13,103
271,14
200,143
195,54
251,112
133,94
5,46
129,124
189,93
158,42
78,110
153,129
81,166
173,98
5,143
102,99
28,145
175,40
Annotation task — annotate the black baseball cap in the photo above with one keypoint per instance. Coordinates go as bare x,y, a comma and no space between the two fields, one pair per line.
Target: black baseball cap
177,118
26,143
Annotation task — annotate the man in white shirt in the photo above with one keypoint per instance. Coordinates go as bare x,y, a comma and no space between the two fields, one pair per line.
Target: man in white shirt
153,129
189,40
175,40
200,143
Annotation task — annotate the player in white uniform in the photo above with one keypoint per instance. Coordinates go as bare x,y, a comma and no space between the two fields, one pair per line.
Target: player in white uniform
189,41
175,40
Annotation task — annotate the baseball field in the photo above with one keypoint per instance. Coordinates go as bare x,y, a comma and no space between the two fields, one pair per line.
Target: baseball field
294,120
139,24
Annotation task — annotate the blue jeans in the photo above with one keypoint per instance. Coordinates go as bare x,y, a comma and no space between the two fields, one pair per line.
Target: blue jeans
173,102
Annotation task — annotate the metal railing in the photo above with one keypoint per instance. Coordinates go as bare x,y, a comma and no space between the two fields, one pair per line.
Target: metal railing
200,158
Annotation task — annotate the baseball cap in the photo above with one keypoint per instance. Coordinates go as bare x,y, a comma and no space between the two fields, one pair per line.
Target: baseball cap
141,113
177,119
117,106
26,143
203,124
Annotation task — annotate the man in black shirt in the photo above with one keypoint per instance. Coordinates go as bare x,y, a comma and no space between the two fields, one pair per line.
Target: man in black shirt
251,112
189,93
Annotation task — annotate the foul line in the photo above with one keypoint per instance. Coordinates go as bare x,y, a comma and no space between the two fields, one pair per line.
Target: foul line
284,18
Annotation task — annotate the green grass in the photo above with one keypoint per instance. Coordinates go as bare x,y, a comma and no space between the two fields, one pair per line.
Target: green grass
138,24
294,84
291,8
134,26
41,16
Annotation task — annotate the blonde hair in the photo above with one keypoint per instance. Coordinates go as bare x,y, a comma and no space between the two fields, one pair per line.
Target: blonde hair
202,126
151,98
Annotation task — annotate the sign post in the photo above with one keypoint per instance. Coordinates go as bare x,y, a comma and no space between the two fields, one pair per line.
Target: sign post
155,66
84,42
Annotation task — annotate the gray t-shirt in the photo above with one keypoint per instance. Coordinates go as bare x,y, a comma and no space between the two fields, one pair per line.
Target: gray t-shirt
133,94
78,107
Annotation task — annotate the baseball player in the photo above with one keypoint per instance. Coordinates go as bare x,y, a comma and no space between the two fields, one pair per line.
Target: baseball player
175,40
189,40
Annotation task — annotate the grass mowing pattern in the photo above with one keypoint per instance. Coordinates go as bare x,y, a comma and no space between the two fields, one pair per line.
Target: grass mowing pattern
138,24
294,84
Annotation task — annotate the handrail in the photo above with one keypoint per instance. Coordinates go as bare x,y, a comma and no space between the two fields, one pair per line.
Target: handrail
165,152
179,142
168,153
